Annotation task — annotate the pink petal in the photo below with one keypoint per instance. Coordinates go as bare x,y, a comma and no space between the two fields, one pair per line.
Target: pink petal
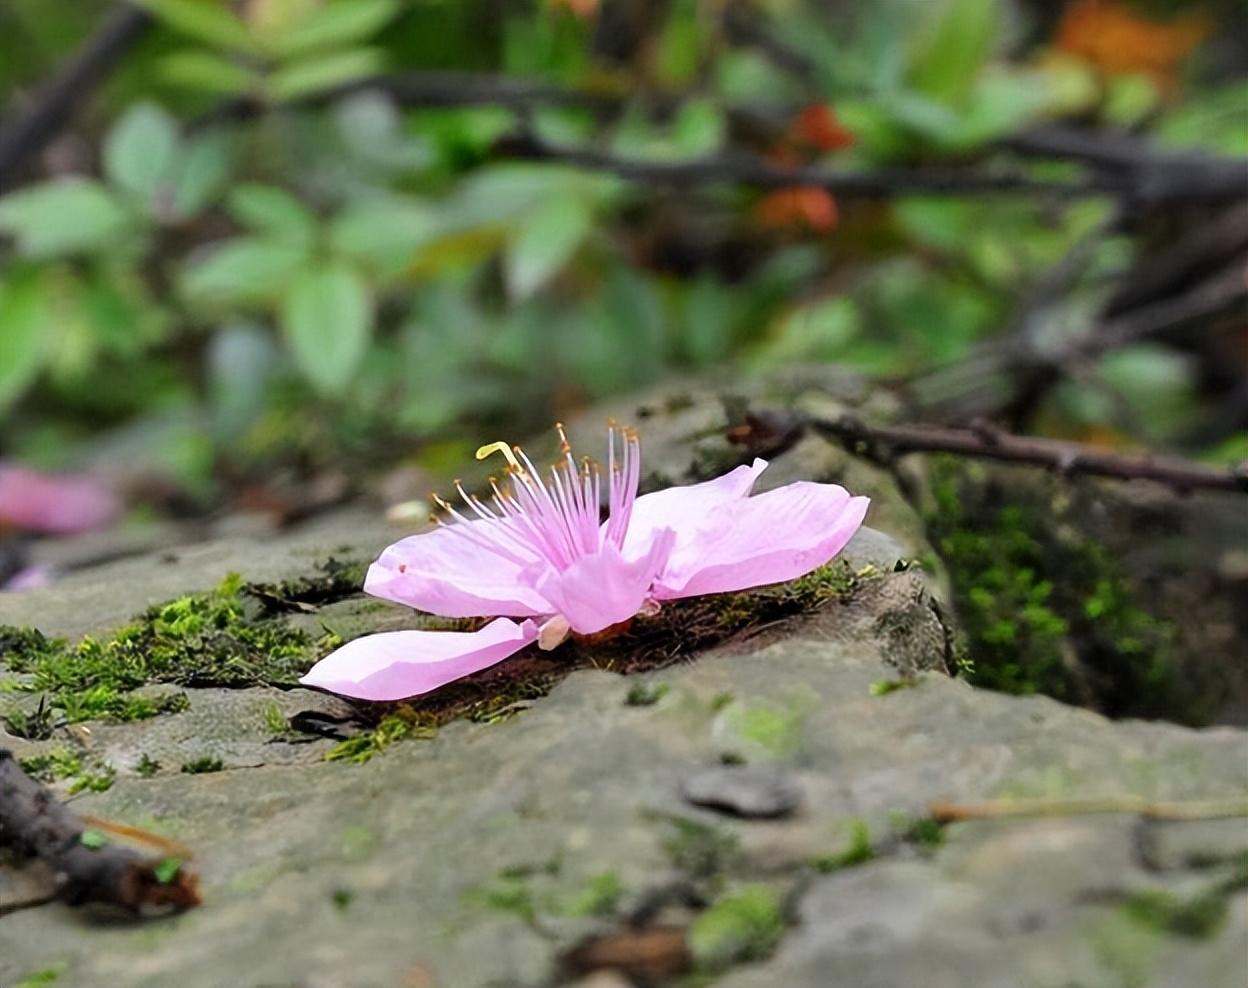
598,591
686,511
39,502
399,664
458,574
773,537
31,578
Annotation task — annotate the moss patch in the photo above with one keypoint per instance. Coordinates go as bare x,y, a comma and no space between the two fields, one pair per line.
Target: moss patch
218,638
1047,610
743,925
85,774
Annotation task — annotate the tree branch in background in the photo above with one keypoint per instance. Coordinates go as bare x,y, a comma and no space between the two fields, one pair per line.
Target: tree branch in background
54,103
746,170
1154,175
764,427
1135,173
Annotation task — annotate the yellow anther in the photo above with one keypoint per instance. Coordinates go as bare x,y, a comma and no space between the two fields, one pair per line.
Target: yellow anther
500,447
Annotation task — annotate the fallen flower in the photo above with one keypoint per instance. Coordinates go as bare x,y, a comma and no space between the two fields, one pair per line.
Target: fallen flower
53,505
539,552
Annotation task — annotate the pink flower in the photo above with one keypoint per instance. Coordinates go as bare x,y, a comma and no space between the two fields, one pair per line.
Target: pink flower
54,505
539,552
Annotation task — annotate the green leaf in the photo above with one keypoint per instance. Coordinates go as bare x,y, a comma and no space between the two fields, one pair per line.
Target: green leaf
245,269
698,129
274,213
167,869
63,216
140,149
210,21
959,38
545,242
316,73
203,172
25,318
208,72
335,25
383,230
327,318
93,839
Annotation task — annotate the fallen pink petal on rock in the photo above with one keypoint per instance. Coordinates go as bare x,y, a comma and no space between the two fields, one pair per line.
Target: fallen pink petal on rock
539,550
53,504
31,578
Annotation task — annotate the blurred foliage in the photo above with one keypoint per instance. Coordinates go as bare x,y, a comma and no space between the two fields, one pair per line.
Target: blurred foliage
241,255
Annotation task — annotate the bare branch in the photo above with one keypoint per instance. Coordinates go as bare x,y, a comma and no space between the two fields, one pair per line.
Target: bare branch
55,102
985,442
747,170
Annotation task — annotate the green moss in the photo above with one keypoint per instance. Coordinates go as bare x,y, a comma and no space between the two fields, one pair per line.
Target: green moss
858,851
147,766
405,723
335,579
882,687
207,639
744,925
1045,610
61,763
203,765
597,898
924,832
646,694
774,729
43,978
702,853
341,898
1198,916
274,720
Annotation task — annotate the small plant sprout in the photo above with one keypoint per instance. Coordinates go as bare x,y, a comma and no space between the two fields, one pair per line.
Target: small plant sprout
539,551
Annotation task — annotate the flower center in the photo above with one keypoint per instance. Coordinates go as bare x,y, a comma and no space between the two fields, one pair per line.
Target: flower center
557,515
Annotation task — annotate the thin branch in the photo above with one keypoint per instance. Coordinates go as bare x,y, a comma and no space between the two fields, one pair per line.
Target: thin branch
1153,174
1203,809
1062,456
54,104
748,170
86,867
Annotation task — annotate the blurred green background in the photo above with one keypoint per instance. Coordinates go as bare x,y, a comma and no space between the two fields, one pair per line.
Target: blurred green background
294,235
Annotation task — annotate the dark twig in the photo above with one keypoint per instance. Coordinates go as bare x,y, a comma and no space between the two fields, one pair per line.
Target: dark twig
748,170
1152,174
53,105
985,442
87,868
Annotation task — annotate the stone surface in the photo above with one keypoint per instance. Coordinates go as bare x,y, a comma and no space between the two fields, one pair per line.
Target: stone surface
485,855
744,791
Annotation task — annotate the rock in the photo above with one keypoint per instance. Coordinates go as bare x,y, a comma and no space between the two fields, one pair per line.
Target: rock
490,852
745,791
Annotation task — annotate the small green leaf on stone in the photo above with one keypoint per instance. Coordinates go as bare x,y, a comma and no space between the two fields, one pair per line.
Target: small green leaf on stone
94,839
167,869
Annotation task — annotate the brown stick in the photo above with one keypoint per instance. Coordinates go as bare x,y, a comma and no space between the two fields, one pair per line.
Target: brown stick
1203,809
1064,457
55,102
87,868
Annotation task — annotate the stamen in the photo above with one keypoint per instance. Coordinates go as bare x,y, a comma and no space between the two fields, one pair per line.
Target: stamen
500,447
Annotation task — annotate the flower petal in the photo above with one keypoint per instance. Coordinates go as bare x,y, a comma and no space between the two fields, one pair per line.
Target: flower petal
458,574
399,664
40,502
598,591
685,510
773,537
